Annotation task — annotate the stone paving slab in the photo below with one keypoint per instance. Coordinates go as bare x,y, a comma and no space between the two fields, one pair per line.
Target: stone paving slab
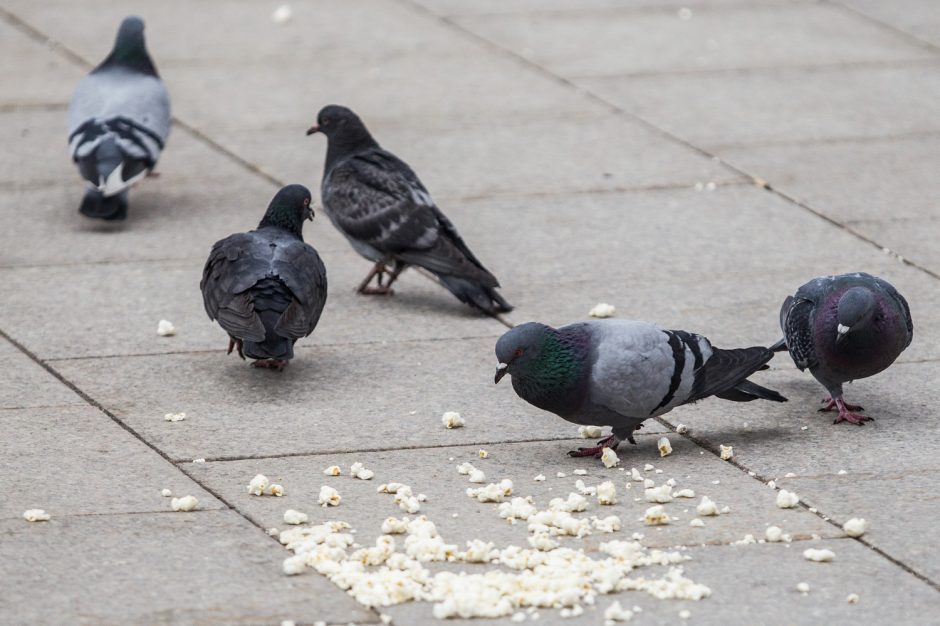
578,44
99,467
916,236
168,568
41,76
26,384
917,17
718,110
610,7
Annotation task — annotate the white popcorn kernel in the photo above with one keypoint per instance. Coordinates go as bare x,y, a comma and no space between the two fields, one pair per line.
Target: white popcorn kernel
804,427
748,539
294,517
661,494
199,460
580,472
616,613
656,516
174,417
606,493
477,476
452,419
842,472
772,484
258,485
409,504
682,429
789,475
464,468
296,564
609,458
820,555
585,490
852,598
649,483
166,328
186,503
539,478
855,527
787,499
282,14
648,467
274,532
482,454
802,587
726,452
166,493
288,622
36,515
685,614
665,448
517,508
635,475
276,490
386,618
394,526
356,470
517,617
716,482
707,507
726,509
773,534
575,503
697,523
328,496
479,551
590,432
333,470
684,493
560,474
609,524
542,541
602,309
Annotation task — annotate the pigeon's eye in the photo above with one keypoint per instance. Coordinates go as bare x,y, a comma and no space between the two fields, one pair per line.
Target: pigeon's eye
306,201
519,352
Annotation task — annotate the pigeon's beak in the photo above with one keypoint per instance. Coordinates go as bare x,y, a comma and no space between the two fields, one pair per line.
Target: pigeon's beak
841,332
500,371
313,129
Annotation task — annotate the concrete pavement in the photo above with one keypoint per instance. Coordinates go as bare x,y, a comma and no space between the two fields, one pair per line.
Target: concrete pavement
691,163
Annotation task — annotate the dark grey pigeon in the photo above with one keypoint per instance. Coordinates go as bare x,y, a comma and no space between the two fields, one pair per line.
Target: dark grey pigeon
379,204
842,328
621,372
267,287
119,119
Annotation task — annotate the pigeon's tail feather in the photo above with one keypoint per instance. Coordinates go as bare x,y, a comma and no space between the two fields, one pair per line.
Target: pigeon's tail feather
481,297
745,391
780,346
274,346
725,374
96,205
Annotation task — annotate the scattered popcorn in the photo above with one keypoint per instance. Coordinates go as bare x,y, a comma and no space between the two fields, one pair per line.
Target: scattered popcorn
787,499
684,493
276,490
606,493
706,507
804,427
671,482
609,524
580,472
258,485
38,515
648,467
773,534
855,527
697,523
616,613
609,458
166,328
274,532
517,617
585,490
542,541
665,448
656,516
174,417
294,517
574,503
539,478
802,588
661,494
328,496
333,470
452,419
748,539
464,468
493,492
517,508
186,503
685,614
560,475
296,564
394,526
842,472
356,470
682,429
479,551
635,474
813,509
789,475
166,493
820,555
649,483
852,598
716,482
726,452
602,309
482,454
574,611
282,14
477,476
590,432
726,509
772,484
199,460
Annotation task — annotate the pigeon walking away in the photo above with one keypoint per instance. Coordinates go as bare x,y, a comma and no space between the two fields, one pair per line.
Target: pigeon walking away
388,216
842,328
119,119
267,287
621,372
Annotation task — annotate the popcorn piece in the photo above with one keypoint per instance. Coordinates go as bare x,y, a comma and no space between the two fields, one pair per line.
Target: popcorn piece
787,499
296,564
166,493
452,419
539,478
616,613
479,551
682,429
493,492
186,503
684,493
656,516
542,541
661,494
665,448
649,483
590,432
294,517
282,14
726,452
773,534
477,476
258,485
606,493
517,508
648,467
852,598
276,490
855,527
395,526
585,490
37,515
842,472
274,532
358,471
560,474
726,509
575,503
580,472
772,484
464,468
671,482
174,417
609,458
697,523
609,524
199,460
748,539
635,474
802,588
602,309
166,328
789,475
518,617
820,555
333,470
482,454
685,614
706,507
328,496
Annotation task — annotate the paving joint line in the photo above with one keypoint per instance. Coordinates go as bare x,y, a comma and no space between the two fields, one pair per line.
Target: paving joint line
910,37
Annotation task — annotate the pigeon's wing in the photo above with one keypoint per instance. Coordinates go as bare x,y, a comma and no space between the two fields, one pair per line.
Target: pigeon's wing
300,268
234,265
797,323
726,369
902,304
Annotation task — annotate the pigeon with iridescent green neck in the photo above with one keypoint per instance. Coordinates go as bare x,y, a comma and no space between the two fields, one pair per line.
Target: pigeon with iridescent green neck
619,372
843,328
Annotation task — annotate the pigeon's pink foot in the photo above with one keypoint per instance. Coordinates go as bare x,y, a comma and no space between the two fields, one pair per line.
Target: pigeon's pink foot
607,442
846,413
835,404
379,290
235,343
153,174
271,364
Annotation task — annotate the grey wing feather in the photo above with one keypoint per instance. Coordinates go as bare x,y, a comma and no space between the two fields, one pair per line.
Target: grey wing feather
231,269
302,270
797,324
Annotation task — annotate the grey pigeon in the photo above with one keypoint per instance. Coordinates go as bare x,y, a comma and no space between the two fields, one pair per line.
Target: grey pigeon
842,328
621,372
388,216
119,119
267,287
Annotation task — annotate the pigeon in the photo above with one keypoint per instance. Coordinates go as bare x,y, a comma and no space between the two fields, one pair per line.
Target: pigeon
842,328
119,119
388,216
267,287
621,372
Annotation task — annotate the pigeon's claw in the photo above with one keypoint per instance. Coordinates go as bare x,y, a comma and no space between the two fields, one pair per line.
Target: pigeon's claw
846,413
839,404
379,290
234,343
610,441
271,364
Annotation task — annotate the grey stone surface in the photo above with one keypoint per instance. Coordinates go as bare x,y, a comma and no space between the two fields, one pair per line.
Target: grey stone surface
167,568
612,8
915,236
98,468
41,77
27,384
717,110
577,44
917,17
